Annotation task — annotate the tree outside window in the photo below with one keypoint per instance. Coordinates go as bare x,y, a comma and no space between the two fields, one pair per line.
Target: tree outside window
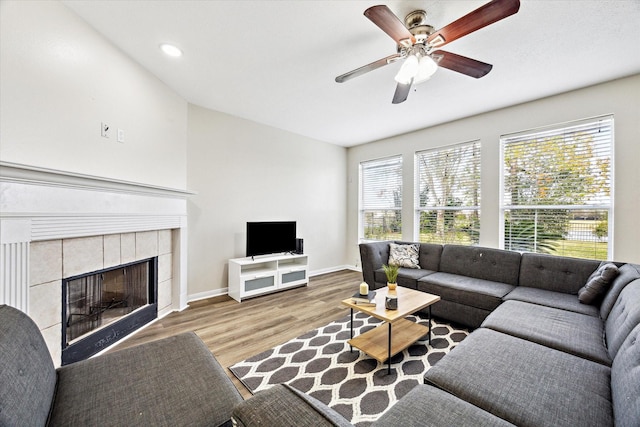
557,189
448,194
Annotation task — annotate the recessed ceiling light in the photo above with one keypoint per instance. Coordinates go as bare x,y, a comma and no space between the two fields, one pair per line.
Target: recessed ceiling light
171,50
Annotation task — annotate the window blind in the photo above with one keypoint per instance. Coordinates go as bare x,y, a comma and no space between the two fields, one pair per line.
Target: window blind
556,189
448,194
381,199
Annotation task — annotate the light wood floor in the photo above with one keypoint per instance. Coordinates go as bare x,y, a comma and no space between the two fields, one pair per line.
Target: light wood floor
234,331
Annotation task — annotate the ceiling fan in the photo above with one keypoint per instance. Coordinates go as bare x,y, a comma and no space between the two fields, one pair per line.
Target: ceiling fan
418,44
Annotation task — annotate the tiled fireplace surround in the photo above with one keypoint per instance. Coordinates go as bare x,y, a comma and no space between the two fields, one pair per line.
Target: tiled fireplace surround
55,225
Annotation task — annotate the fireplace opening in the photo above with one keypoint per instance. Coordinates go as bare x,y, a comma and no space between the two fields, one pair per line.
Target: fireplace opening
102,307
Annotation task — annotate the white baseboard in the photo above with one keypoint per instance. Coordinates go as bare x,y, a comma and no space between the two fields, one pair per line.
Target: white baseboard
208,294
333,270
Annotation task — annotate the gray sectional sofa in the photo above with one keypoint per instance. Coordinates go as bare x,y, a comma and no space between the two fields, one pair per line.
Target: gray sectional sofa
170,382
538,355
547,350
473,281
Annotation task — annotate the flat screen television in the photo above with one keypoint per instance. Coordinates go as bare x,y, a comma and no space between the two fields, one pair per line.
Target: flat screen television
270,237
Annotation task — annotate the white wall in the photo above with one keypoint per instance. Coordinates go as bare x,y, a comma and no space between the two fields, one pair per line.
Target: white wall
244,171
61,79
620,98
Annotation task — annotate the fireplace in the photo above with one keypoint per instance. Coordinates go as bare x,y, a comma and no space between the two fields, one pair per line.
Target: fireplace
102,307
58,225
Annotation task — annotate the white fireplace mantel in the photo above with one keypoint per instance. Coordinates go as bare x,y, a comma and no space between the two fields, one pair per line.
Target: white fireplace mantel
38,204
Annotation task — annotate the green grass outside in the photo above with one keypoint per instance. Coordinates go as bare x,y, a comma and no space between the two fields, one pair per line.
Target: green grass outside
580,249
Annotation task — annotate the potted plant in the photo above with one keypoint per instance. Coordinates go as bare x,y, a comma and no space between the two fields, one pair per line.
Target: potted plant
391,271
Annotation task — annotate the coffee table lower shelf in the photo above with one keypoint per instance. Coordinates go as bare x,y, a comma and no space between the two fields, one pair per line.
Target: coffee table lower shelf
376,341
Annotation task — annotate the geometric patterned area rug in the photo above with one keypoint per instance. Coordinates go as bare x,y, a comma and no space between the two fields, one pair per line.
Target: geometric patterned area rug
321,364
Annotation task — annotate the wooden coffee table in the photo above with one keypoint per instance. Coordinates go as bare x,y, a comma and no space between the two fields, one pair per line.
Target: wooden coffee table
383,342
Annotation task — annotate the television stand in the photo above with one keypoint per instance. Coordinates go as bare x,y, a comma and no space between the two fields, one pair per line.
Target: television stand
253,276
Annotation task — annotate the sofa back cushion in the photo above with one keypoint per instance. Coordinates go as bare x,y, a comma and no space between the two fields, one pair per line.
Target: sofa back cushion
555,273
27,375
430,255
627,273
625,381
496,265
372,256
624,316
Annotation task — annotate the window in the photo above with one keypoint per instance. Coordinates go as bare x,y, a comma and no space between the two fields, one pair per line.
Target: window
381,199
448,194
556,189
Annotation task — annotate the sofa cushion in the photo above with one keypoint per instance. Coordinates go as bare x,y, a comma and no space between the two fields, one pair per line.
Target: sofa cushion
27,375
573,333
173,381
551,299
624,316
430,254
625,382
598,283
555,273
380,277
404,255
459,313
282,405
426,406
628,273
495,265
470,291
407,277
374,254
525,383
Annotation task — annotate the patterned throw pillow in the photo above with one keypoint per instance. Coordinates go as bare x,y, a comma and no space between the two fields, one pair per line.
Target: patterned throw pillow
404,255
597,283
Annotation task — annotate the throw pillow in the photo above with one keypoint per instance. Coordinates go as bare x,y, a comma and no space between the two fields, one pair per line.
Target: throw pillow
597,283
404,255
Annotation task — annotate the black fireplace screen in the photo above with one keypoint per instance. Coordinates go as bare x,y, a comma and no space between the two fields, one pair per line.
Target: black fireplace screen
99,299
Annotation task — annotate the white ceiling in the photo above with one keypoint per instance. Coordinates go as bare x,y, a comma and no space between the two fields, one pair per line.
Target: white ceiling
274,62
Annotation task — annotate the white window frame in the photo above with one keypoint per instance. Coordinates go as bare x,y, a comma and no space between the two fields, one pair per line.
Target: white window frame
567,128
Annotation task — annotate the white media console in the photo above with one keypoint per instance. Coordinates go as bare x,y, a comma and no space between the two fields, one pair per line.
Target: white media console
251,277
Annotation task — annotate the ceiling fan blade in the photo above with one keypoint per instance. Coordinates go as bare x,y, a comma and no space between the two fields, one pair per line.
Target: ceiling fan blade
485,15
389,23
402,91
369,67
461,64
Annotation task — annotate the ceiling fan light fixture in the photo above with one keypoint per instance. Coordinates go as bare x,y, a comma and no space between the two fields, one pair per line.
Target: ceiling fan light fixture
426,68
408,70
417,45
